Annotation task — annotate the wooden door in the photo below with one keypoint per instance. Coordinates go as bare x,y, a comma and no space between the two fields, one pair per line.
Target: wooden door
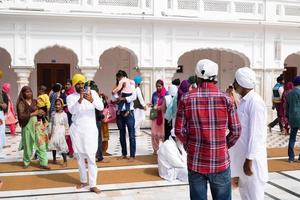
289,74
50,73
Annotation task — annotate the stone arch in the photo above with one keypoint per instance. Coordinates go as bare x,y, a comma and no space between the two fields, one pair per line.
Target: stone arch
229,61
54,55
112,60
292,66
9,75
60,54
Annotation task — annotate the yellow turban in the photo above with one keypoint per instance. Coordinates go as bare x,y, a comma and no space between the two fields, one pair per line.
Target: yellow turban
77,78
1,74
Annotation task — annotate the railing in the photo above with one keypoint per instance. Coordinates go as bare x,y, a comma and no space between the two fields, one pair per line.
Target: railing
92,6
233,10
287,11
217,9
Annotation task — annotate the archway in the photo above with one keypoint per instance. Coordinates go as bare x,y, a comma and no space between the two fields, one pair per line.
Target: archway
229,61
53,64
112,60
9,75
292,66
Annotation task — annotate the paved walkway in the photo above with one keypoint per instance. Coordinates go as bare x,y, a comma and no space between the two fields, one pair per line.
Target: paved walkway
282,185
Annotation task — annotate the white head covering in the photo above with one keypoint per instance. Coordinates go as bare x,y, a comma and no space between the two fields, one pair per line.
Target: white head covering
172,90
207,69
245,77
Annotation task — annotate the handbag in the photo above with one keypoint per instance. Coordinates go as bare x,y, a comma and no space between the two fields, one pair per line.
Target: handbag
137,104
153,114
109,113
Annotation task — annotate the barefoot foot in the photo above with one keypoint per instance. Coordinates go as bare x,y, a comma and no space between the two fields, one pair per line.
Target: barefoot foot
81,185
96,190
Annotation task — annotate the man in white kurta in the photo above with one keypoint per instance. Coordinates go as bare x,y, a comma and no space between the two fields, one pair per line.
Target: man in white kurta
83,131
249,155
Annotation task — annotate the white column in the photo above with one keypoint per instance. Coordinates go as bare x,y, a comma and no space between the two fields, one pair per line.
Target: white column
151,74
169,73
148,83
23,73
89,72
157,7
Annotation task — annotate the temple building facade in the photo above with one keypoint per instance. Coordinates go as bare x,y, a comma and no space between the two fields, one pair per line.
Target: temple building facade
47,41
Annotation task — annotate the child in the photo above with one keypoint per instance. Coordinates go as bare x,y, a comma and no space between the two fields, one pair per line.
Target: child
10,116
43,102
124,87
59,130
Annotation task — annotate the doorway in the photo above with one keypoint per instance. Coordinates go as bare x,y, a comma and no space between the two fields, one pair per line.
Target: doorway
50,73
289,74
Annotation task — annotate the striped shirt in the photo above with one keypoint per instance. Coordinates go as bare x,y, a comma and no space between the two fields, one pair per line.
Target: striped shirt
202,120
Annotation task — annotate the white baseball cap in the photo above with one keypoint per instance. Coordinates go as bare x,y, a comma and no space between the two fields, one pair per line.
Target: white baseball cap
207,69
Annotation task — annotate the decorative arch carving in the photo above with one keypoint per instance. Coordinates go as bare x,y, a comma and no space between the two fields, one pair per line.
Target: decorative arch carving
59,48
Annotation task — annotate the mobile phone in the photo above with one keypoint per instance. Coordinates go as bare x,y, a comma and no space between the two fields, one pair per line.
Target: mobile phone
87,89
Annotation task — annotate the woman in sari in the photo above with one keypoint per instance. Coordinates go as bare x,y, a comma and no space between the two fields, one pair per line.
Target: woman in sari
157,126
10,116
34,136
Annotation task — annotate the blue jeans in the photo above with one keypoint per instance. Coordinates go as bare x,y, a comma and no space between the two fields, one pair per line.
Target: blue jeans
220,185
292,141
99,151
130,122
121,104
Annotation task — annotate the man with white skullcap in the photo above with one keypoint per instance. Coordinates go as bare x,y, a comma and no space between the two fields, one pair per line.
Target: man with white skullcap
249,155
203,117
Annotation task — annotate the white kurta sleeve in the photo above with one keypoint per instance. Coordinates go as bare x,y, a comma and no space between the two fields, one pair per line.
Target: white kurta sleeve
257,125
140,96
66,124
73,105
97,101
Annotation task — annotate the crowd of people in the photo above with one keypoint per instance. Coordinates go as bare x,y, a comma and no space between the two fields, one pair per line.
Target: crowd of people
199,133
286,101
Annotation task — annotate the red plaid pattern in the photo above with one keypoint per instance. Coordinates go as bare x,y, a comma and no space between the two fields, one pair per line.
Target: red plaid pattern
203,117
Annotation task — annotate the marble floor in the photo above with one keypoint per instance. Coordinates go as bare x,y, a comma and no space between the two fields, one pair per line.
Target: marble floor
281,185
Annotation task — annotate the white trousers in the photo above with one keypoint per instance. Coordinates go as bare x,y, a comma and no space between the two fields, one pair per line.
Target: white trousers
139,116
251,187
92,168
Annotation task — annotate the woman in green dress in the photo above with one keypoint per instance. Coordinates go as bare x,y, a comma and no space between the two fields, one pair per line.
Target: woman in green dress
34,135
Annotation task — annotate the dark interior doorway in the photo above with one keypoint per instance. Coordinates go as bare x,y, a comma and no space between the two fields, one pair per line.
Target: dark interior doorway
289,74
50,73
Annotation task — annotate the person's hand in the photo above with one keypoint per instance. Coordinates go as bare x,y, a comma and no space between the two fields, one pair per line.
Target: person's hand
81,95
35,113
120,99
234,182
145,107
3,106
1,122
149,104
88,96
248,167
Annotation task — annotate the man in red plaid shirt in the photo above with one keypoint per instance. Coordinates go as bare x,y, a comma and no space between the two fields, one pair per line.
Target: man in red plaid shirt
203,117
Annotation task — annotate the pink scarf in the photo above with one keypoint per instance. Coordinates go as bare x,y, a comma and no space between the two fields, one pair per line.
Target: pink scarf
71,90
160,100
